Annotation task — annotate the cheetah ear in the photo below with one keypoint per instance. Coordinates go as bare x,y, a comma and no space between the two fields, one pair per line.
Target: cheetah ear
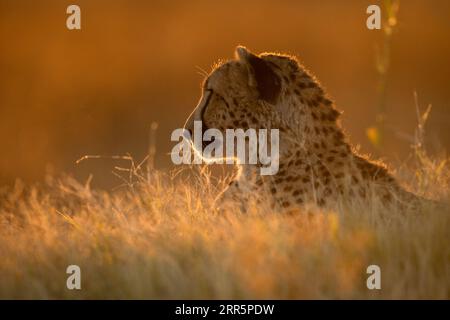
261,75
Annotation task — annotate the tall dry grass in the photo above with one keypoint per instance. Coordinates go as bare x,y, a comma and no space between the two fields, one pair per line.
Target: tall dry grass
161,236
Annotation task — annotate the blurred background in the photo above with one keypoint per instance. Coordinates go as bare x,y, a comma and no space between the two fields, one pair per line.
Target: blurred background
65,94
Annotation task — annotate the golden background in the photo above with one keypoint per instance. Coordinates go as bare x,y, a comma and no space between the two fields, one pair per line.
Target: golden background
65,94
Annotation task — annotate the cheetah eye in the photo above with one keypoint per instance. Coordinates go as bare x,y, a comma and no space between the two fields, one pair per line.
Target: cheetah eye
209,93
205,85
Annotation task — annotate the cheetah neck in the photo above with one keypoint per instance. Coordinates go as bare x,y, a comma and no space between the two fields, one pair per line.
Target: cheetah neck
310,124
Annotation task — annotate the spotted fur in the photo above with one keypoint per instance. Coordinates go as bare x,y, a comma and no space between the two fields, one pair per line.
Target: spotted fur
317,164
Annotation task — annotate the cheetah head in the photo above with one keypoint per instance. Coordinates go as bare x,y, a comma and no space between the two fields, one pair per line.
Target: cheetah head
262,92
237,93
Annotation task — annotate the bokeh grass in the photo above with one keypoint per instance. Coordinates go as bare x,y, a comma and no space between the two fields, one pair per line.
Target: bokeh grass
162,236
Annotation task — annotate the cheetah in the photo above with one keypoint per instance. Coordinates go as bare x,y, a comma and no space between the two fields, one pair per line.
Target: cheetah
317,165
